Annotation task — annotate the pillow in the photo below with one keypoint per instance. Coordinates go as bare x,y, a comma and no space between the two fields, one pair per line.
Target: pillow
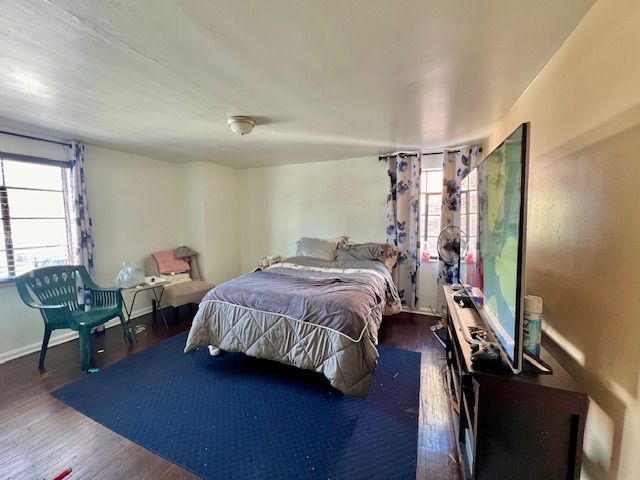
383,252
168,263
319,248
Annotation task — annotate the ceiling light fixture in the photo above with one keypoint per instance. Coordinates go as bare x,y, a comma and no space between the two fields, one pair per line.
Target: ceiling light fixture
241,125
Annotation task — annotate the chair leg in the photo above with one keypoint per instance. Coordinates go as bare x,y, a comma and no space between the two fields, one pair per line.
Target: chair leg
45,345
85,347
127,331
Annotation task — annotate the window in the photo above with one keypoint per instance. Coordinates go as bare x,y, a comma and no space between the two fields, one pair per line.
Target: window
35,218
430,209
469,212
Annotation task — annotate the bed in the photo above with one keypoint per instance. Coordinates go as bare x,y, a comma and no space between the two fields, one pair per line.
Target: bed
311,313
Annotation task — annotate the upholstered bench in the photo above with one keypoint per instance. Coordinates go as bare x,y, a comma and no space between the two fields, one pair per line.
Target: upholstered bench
184,288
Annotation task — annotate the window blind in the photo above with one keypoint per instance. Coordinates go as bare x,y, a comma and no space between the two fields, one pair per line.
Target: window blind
35,216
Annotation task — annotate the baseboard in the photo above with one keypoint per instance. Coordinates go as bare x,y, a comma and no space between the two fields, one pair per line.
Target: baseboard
421,312
65,337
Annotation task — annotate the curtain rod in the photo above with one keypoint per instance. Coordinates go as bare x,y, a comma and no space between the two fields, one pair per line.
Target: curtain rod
440,153
382,157
35,138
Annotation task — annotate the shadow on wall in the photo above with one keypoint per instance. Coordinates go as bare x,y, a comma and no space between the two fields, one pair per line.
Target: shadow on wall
608,410
583,258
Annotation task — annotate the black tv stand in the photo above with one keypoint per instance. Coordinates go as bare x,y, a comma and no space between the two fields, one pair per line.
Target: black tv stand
508,426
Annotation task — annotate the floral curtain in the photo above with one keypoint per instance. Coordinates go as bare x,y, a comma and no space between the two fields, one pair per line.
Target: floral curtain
78,205
403,222
456,165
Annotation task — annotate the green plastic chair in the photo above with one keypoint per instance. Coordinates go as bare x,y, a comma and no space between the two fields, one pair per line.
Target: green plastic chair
52,290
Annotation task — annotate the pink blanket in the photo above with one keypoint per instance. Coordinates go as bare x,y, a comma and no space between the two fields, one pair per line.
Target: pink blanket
168,263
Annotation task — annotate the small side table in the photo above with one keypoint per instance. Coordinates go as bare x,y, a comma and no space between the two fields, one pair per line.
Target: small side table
154,287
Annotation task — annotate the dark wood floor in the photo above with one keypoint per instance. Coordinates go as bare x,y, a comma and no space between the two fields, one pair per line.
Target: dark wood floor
40,436
437,452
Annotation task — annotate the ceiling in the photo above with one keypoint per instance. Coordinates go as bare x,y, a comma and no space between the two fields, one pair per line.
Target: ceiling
325,79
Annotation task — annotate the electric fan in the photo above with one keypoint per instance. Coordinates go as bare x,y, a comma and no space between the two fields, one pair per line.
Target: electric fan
452,245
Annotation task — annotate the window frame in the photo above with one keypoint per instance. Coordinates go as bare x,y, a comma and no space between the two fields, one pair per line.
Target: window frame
426,195
465,218
9,249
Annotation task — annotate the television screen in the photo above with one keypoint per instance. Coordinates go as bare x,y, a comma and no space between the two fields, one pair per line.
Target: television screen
493,271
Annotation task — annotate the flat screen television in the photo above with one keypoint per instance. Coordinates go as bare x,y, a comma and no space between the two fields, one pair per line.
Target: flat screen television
493,269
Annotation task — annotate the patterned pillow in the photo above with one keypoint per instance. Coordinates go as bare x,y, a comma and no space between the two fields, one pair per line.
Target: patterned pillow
319,248
383,252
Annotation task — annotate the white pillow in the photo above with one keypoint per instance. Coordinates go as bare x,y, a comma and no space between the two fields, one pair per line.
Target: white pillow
319,248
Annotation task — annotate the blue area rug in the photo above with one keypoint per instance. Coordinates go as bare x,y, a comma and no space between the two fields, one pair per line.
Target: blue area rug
235,416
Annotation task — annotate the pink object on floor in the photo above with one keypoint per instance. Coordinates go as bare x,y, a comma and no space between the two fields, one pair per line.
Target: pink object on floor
168,263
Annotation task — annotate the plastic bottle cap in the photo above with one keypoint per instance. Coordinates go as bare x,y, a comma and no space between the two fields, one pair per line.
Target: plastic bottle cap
532,304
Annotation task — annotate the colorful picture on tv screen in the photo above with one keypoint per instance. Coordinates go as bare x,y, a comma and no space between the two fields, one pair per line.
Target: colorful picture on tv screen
494,272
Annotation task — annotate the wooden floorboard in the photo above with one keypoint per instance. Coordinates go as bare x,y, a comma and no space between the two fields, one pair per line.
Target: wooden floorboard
437,453
41,436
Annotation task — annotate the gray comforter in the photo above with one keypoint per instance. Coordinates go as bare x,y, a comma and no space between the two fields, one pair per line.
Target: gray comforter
307,312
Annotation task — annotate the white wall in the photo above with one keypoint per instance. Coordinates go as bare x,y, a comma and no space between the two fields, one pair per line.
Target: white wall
21,328
324,199
136,204
140,205
212,215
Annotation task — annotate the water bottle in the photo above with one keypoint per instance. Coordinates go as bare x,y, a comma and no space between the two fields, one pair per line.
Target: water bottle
532,324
